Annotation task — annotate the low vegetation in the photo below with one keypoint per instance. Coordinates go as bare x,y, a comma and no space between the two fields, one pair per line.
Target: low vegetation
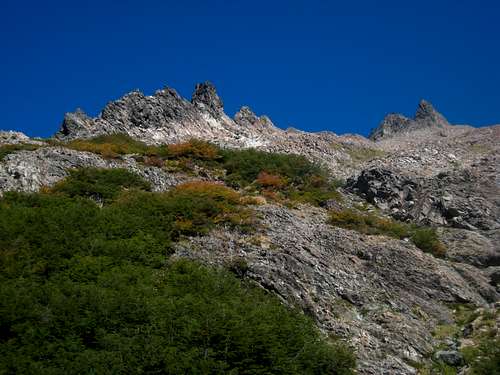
477,329
88,288
279,176
102,185
359,154
110,146
11,148
283,177
368,223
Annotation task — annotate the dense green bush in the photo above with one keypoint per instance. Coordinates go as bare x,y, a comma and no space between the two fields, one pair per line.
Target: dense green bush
87,289
193,149
483,359
244,166
99,184
427,240
103,316
293,176
424,238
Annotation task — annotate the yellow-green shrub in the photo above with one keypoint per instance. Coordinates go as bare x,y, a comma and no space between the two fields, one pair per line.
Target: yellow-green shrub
424,238
111,146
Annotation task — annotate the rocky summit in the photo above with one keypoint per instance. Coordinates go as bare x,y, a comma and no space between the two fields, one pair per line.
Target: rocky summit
392,245
425,117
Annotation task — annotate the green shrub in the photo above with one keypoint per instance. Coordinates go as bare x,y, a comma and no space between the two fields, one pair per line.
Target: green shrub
485,358
243,166
99,184
425,239
199,205
135,225
314,196
86,290
102,318
284,176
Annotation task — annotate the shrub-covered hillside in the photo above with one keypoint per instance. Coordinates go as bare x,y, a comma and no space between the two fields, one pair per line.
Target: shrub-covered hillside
87,287
283,177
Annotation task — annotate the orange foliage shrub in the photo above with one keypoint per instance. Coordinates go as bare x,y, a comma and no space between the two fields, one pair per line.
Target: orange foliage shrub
210,190
270,180
194,148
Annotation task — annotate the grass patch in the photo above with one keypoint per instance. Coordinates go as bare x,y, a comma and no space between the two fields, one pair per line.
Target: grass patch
445,331
480,148
11,148
484,358
112,146
365,154
89,289
482,353
359,154
425,239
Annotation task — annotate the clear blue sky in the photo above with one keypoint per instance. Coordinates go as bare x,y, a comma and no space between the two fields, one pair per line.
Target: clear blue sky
315,65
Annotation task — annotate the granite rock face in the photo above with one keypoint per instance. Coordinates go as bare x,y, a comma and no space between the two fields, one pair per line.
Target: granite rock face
457,199
384,295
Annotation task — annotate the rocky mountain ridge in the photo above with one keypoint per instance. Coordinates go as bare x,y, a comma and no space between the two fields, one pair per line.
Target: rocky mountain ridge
383,295
165,117
425,117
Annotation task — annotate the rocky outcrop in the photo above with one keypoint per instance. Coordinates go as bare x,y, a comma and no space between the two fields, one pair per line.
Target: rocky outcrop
394,124
458,199
15,138
384,295
472,247
165,117
29,171
206,98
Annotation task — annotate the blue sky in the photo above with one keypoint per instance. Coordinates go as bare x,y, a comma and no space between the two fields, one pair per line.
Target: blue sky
315,65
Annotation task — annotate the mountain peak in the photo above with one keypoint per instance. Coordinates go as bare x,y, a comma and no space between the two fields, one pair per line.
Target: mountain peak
205,97
426,116
426,113
74,122
166,117
245,116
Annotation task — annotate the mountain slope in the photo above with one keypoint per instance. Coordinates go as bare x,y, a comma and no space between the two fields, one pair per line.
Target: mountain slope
372,286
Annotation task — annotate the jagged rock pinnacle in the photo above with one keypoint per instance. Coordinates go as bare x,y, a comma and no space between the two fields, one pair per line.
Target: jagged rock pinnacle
426,113
166,117
205,97
426,116
245,116
74,122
